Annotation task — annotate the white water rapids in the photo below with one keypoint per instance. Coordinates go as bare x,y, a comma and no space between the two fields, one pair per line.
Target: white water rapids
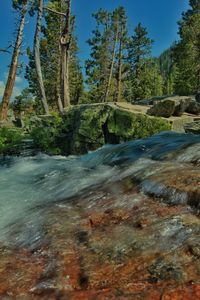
29,186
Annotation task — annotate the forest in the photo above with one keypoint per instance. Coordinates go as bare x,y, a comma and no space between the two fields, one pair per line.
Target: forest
120,66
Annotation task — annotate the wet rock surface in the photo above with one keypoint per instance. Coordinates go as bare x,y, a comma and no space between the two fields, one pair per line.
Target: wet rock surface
134,234
193,127
143,251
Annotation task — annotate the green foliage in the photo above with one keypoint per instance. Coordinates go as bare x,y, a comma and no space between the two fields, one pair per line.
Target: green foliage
18,4
168,70
24,103
44,132
176,71
143,75
187,52
97,67
139,46
10,139
110,31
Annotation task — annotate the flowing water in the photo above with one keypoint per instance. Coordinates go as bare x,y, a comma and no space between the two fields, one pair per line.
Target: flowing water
50,200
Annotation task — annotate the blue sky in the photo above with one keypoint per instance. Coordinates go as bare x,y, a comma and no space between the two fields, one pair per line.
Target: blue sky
159,16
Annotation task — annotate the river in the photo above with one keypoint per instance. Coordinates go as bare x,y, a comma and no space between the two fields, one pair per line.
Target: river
130,208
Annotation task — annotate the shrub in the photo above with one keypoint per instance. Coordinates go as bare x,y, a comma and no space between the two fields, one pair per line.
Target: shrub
44,131
10,139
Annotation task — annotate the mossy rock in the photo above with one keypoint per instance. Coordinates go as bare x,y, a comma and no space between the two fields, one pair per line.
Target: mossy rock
164,109
128,126
87,127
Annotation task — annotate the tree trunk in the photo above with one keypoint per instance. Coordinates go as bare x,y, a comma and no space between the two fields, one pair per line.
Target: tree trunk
65,56
59,99
37,56
58,85
112,64
119,75
13,67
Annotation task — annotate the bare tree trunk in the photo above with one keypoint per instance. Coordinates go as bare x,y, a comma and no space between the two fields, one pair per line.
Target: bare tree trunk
119,75
59,102
112,65
37,56
58,86
65,55
13,67
59,99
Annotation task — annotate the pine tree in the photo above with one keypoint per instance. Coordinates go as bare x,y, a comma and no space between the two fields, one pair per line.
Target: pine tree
97,67
139,50
104,69
168,70
187,51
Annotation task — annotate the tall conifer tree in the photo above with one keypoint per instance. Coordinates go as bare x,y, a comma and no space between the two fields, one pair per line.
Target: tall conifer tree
187,51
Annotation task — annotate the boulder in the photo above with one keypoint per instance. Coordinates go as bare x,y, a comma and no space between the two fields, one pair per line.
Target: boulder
164,109
181,106
193,107
175,106
87,127
193,127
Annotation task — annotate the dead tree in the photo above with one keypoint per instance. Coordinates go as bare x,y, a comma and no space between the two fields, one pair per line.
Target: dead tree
65,42
119,73
14,64
37,56
112,62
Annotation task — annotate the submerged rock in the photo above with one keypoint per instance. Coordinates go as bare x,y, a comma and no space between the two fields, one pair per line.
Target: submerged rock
164,270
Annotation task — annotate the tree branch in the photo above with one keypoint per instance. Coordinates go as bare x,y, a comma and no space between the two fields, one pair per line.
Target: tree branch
4,50
55,12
